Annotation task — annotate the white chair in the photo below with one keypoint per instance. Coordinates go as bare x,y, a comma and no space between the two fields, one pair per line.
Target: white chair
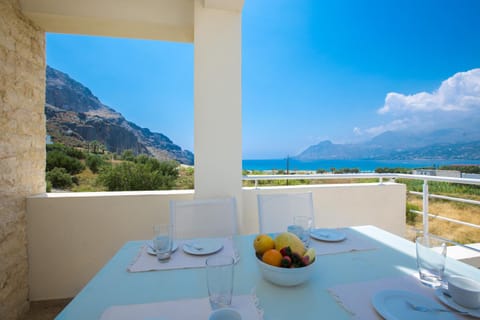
204,218
276,211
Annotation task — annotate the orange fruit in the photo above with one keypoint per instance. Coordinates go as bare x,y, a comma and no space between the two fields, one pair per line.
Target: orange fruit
272,257
262,243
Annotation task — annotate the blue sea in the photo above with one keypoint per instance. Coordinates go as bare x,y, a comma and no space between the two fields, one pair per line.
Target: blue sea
362,165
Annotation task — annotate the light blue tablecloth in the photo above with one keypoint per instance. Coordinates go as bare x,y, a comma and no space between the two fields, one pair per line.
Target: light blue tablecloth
113,285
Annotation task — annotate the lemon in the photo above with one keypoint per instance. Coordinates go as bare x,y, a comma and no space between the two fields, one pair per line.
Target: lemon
262,243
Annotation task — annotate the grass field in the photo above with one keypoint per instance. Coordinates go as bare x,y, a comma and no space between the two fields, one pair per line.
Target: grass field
445,208
459,211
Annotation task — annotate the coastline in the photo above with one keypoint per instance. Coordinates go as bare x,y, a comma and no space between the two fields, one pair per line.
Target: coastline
293,165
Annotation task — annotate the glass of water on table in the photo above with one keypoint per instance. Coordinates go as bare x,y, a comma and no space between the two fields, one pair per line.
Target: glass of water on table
163,241
302,225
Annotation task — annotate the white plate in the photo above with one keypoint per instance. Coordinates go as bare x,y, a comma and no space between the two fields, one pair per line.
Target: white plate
330,235
201,247
393,305
152,252
452,304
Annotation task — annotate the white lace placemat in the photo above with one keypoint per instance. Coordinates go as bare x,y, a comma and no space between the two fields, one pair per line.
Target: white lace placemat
356,298
354,241
246,305
179,259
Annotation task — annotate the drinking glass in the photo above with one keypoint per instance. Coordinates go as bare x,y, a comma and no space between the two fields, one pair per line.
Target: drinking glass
431,255
220,280
302,225
163,241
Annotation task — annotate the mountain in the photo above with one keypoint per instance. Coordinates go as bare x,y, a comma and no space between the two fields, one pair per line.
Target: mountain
76,117
445,144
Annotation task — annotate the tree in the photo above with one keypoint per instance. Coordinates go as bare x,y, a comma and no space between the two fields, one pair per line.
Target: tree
96,147
128,155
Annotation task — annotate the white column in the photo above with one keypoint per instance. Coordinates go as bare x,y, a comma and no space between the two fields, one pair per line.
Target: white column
217,99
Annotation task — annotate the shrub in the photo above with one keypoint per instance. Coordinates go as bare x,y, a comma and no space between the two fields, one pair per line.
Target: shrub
59,159
59,178
143,158
69,151
152,175
346,170
393,170
94,162
128,155
185,178
411,216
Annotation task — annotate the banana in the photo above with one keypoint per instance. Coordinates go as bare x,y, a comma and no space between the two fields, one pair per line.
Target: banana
310,254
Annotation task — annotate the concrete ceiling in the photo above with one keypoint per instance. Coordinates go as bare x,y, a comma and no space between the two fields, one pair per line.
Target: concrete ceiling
170,20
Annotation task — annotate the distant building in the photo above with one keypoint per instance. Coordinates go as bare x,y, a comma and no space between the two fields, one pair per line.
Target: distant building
440,173
471,175
48,139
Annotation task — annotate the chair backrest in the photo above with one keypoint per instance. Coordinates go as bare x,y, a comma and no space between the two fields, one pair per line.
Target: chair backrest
276,211
204,218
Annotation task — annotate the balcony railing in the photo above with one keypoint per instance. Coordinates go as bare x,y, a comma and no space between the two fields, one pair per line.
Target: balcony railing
391,176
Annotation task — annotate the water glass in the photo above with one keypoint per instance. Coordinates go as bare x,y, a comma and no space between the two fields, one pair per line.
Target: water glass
431,256
220,280
163,241
302,225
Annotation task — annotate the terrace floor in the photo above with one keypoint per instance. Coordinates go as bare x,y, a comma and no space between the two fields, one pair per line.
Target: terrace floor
46,310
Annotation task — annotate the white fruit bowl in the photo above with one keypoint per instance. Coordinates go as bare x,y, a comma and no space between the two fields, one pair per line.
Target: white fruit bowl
285,277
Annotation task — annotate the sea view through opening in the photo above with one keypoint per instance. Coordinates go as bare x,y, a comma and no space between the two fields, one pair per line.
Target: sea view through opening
362,165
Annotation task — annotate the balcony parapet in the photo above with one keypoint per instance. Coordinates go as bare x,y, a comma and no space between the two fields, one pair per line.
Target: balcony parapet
72,235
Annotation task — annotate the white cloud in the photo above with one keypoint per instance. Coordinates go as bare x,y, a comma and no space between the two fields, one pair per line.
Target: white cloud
455,103
461,92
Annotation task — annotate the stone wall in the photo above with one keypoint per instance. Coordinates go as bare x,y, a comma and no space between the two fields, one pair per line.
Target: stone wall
22,148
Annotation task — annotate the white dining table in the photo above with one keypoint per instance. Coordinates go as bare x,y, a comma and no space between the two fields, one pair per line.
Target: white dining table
390,257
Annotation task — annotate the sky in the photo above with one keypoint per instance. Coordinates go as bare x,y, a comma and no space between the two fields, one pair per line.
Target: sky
339,70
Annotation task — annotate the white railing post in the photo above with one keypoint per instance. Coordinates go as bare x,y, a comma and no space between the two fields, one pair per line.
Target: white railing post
425,206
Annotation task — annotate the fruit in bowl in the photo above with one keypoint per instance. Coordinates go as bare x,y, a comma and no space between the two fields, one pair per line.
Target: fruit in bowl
284,261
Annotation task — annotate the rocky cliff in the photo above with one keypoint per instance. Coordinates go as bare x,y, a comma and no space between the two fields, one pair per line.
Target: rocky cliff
76,117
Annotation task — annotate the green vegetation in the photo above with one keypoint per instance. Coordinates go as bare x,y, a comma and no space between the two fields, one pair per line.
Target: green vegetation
443,188
144,174
411,217
59,178
94,162
346,170
128,155
392,170
185,178
77,170
63,157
